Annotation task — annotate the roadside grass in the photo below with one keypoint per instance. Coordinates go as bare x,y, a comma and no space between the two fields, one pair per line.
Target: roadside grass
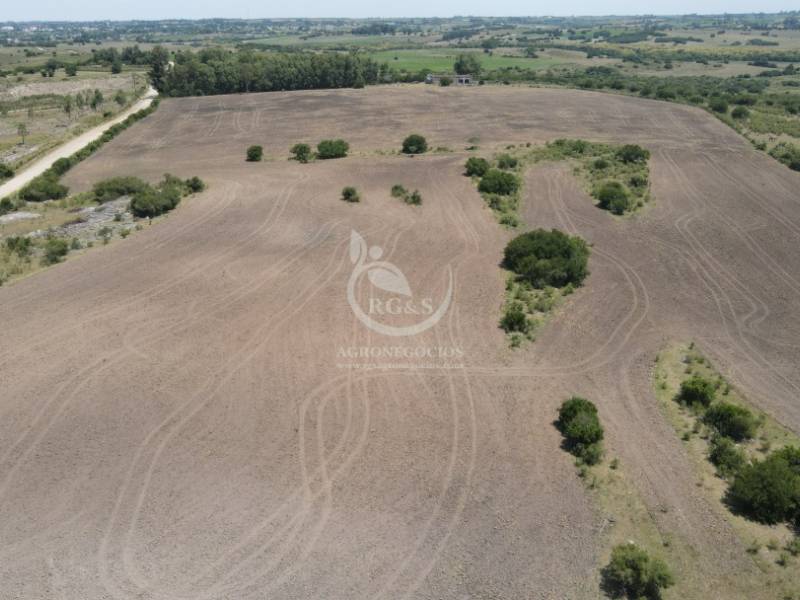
764,543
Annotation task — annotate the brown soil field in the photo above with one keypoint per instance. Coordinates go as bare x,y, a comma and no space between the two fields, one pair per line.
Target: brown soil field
177,420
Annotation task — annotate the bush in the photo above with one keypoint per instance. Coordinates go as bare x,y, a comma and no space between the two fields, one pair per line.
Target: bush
195,185
730,420
581,428
506,161
476,167
718,105
633,573
768,491
398,191
332,149
514,320
631,153
638,181
255,153
44,187
414,144
414,198
600,164
111,189
613,196
350,194
696,391
154,201
5,171
740,112
726,456
54,250
495,181
61,166
548,258
21,246
301,153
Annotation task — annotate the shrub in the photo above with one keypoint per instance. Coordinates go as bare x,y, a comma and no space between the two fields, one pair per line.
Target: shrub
600,164
725,455
730,420
719,105
613,196
301,153
631,153
638,181
154,201
445,81
115,187
696,391
61,166
506,161
6,206
768,491
398,191
740,112
195,185
54,250
581,428
548,258
44,187
350,194
632,572
21,246
414,144
255,153
6,171
495,181
414,198
476,167
570,147
514,320
332,149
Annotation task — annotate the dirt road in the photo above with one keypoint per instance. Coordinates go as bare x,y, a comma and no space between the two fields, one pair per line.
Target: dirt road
177,420
40,165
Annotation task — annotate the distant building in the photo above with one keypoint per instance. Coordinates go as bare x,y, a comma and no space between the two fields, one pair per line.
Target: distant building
436,78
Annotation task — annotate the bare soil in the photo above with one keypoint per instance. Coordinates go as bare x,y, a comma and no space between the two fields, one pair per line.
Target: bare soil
174,423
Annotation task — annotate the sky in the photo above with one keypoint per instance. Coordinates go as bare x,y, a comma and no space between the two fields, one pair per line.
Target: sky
84,10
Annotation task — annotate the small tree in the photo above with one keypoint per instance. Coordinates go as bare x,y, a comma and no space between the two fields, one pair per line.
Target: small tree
476,167
301,153
120,98
696,391
718,105
581,428
506,161
725,455
327,149
54,250
730,420
514,320
255,153
500,182
633,573
415,144
71,70
613,196
116,67
350,194
768,491
67,106
631,153
97,99
467,64
398,191
445,81
414,198
548,258
22,131
740,112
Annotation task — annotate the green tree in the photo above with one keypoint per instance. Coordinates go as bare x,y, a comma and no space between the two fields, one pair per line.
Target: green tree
301,152
613,196
726,456
350,194
254,153
22,131
548,258
467,63
54,250
328,149
476,167
67,106
631,153
696,391
415,144
71,70
730,420
768,491
634,574
97,99
159,65
116,67
514,320
120,98
495,181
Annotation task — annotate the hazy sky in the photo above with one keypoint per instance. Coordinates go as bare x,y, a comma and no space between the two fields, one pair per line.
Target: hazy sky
192,9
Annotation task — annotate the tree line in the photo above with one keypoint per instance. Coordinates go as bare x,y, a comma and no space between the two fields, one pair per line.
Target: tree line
217,71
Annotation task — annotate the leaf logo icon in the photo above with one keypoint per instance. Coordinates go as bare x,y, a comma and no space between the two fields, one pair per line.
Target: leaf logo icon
389,279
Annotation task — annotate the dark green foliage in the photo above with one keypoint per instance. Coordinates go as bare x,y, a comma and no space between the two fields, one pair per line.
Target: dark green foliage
495,181
61,166
301,152
111,189
768,491
332,149
600,164
573,148
548,258
195,185
152,201
254,153
631,153
414,198
613,196
633,573
506,161
44,187
788,154
476,167
730,420
350,194
581,428
6,206
445,81
638,181
696,391
6,172
726,456
719,105
54,250
70,70
219,71
514,320
467,64
415,144
398,191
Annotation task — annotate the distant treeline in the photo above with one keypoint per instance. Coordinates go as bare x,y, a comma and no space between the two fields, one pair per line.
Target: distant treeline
217,71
